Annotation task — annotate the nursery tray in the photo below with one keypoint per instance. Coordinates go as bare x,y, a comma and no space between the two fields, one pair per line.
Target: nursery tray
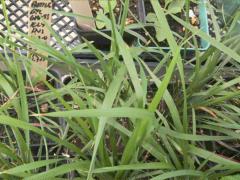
64,26
203,25
103,43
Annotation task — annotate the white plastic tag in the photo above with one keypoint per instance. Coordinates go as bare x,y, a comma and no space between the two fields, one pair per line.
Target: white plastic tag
82,7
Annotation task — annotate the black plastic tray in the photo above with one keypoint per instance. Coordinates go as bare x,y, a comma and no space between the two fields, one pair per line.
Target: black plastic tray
64,26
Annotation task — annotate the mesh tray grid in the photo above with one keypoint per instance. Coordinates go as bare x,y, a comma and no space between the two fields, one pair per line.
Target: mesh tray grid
64,26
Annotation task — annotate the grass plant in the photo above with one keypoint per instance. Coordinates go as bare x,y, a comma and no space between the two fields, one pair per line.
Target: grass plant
188,128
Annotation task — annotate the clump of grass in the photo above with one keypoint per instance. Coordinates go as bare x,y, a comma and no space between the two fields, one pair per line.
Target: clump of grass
114,129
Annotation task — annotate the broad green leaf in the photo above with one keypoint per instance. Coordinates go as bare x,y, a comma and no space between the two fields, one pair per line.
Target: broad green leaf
104,5
159,33
166,30
101,16
151,17
176,6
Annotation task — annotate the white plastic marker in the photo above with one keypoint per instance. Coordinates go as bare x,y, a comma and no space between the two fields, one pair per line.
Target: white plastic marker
82,7
39,10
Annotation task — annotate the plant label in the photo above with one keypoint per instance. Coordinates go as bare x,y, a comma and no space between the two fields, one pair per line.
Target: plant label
40,14
82,7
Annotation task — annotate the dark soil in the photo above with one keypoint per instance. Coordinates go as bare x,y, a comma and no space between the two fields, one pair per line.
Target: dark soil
175,26
94,4
3,99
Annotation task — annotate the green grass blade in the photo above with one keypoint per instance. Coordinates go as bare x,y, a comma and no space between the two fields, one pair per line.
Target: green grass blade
178,173
140,166
61,170
28,167
107,103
